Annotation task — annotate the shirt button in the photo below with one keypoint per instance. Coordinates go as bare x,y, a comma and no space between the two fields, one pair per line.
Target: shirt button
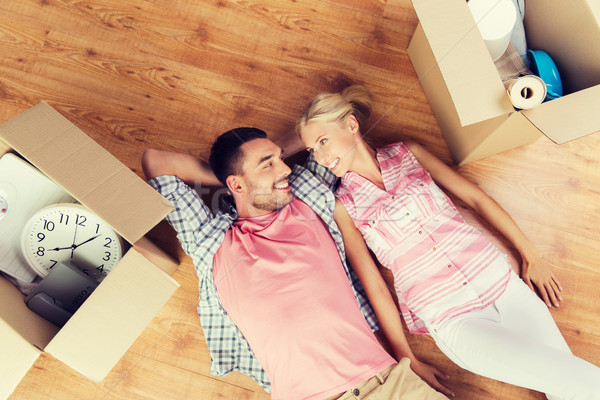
356,392
464,283
449,265
420,232
435,248
407,214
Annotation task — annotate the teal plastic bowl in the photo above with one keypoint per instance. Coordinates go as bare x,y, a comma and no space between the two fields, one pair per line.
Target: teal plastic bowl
543,66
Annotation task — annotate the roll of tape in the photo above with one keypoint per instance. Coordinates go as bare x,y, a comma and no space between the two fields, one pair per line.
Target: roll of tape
526,91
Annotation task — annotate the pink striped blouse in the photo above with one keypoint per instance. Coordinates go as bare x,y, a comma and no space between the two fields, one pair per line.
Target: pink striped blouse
442,266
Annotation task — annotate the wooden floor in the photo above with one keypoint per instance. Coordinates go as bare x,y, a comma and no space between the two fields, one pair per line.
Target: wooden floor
174,74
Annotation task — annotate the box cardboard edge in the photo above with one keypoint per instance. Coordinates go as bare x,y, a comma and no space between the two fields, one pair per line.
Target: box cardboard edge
568,118
451,35
23,133
156,255
33,348
121,311
18,356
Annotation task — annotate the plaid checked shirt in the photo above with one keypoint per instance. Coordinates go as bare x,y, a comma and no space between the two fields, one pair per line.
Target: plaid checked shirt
201,233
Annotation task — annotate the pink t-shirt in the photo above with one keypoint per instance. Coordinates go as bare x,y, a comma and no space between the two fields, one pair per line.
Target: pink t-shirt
281,280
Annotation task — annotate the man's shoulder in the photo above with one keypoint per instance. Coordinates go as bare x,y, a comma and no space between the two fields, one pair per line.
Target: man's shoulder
304,182
313,173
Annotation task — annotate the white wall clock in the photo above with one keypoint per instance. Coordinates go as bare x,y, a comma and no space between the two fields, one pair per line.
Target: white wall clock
70,232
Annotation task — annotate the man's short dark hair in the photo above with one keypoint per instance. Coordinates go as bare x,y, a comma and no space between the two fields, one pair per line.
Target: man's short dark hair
225,156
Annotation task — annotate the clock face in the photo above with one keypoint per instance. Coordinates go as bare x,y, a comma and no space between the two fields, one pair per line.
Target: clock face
70,232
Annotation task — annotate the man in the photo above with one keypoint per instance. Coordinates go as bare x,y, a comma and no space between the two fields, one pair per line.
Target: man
277,300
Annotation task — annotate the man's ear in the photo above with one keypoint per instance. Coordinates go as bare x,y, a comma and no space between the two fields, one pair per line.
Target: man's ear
235,184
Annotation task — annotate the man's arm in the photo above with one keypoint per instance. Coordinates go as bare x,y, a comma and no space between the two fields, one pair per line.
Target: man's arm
174,176
188,168
290,143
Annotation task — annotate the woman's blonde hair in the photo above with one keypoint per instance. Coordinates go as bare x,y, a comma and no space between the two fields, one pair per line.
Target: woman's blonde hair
331,107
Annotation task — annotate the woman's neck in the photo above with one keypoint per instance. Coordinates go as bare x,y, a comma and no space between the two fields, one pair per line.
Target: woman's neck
366,165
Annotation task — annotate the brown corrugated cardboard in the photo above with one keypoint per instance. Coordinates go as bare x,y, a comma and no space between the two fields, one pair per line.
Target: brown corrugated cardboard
466,93
572,38
61,150
18,355
4,148
153,253
569,117
33,328
112,318
20,337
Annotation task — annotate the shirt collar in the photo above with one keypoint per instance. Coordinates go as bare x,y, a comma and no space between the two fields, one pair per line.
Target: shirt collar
351,178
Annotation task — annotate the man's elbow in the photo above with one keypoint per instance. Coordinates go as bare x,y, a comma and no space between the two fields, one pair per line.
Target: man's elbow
150,163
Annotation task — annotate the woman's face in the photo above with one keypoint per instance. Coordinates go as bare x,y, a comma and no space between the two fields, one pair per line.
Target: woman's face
333,144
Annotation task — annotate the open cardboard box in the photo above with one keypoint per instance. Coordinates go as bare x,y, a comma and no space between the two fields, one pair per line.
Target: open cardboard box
466,93
116,313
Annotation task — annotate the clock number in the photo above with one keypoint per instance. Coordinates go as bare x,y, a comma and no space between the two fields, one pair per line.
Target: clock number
40,251
54,262
65,218
106,256
41,236
48,225
80,220
100,268
97,228
108,242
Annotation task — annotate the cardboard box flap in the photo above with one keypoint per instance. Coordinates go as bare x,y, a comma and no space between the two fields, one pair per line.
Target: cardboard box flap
18,356
86,170
572,38
463,59
34,329
18,335
4,148
113,317
155,254
569,117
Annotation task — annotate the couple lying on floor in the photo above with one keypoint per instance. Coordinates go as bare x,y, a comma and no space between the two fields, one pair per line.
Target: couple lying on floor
289,292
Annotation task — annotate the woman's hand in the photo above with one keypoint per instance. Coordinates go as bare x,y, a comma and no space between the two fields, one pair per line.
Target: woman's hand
533,270
536,274
431,375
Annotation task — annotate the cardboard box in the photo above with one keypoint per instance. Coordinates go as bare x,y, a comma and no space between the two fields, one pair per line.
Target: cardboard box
112,318
466,93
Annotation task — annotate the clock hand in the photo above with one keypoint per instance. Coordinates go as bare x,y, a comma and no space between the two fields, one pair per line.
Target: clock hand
89,240
60,248
73,246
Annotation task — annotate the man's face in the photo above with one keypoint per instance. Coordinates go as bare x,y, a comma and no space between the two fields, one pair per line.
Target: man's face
264,177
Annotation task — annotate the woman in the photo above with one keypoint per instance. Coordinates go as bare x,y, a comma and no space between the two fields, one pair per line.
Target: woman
451,282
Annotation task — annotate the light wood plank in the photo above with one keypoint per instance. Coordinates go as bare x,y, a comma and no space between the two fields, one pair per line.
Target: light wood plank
175,74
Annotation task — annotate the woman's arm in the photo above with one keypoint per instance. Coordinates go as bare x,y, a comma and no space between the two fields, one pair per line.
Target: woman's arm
381,299
188,168
533,269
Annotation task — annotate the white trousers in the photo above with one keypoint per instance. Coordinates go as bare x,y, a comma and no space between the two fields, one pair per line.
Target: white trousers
515,340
